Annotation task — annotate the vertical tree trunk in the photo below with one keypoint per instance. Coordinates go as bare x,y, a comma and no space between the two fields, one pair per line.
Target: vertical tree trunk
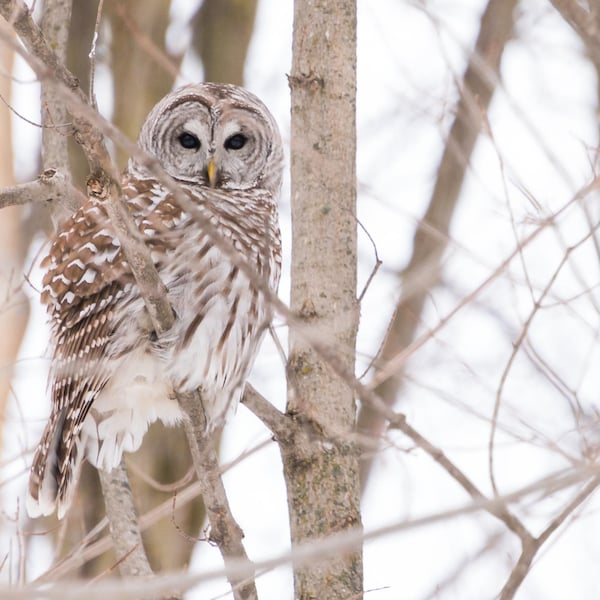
14,307
322,476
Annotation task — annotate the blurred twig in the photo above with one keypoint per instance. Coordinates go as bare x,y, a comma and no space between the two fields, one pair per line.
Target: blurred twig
431,236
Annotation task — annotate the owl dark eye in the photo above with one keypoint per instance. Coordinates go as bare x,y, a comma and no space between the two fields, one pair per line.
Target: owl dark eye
235,142
189,141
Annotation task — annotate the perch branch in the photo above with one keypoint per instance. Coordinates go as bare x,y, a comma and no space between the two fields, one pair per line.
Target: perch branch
125,532
124,526
224,531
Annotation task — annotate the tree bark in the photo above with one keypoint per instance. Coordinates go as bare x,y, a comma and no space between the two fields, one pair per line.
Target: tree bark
321,471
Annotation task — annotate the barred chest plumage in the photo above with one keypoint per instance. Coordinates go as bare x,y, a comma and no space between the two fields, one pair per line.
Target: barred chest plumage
106,352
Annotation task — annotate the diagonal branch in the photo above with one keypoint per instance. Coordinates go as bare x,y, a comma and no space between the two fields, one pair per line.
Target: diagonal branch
225,532
431,236
531,547
105,178
583,22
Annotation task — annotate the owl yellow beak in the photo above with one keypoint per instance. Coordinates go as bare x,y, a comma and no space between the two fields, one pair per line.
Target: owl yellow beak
211,171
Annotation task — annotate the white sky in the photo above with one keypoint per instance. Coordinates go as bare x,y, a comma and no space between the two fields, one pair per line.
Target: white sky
544,126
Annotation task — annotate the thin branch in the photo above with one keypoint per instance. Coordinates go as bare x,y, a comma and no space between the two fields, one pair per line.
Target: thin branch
225,532
531,548
422,272
582,22
275,420
303,553
498,510
517,346
50,186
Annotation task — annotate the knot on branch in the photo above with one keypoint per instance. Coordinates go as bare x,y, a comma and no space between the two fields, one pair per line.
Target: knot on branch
98,185
309,81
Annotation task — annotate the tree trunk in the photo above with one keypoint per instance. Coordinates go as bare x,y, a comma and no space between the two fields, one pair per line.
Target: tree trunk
322,474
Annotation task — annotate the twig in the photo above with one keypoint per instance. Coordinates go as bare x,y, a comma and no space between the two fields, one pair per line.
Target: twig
303,553
422,272
531,548
517,346
92,55
496,509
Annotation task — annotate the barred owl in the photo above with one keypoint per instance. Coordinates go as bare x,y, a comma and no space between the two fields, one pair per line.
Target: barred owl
111,375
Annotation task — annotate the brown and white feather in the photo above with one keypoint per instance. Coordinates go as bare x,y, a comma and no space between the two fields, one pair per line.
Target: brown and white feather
111,376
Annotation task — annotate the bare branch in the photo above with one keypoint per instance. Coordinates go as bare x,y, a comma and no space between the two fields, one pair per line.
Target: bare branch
56,17
307,553
51,186
276,421
431,236
496,509
126,535
225,532
531,547
582,22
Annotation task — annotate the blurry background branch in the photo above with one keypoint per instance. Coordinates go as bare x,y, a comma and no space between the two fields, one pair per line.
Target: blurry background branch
431,236
14,307
219,20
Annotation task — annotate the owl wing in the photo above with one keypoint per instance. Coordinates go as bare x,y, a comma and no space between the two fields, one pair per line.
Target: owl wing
86,276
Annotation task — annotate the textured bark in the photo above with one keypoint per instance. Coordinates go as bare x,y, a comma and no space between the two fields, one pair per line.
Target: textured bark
431,236
126,534
222,33
55,117
321,469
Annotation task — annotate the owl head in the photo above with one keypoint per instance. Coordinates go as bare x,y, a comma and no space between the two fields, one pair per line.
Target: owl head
214,134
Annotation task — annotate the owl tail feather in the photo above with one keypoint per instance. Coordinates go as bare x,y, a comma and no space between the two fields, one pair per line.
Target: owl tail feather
54,471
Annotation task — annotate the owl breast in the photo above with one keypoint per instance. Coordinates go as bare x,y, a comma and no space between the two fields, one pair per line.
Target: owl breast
220,321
